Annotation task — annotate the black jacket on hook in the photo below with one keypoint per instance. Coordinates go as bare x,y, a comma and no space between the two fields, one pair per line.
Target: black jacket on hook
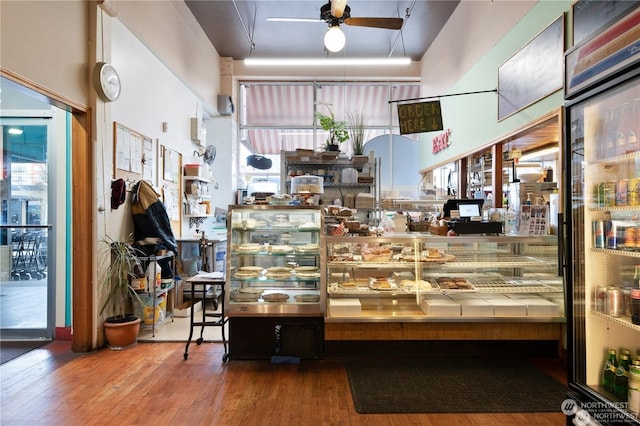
150,217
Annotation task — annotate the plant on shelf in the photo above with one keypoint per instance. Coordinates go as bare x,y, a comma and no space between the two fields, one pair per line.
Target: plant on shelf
357,125
337,128
121,327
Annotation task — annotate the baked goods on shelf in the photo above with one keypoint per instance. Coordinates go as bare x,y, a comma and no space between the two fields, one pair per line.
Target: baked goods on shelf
307,272
278,272
281,248
381,283
244,297
249,248
376,254
454,283
246,274
307,248
307,297
412,285
275,297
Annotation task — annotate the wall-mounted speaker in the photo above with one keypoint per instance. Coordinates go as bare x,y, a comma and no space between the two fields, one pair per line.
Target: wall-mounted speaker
225,105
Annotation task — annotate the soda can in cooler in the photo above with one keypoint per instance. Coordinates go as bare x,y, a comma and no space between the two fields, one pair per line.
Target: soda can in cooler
621,232
600,298
610,194
633,198
622,192
601,194
626,301
630,236
614,301
612,234
598,233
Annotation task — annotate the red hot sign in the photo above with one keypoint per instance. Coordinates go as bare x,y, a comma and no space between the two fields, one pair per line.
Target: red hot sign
442,141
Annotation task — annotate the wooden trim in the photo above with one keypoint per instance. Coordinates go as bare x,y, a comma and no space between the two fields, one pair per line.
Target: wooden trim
54,98
444,331
83,234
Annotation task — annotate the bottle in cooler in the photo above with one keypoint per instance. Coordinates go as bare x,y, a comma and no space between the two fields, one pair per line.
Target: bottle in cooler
621,380
609,371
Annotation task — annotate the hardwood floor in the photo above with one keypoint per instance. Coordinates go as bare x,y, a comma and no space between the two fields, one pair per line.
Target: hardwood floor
152,384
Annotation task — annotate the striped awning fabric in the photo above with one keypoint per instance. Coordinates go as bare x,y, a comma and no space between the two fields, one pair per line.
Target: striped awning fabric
279,116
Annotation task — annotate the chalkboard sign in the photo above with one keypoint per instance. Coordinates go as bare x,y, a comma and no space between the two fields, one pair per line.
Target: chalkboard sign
533,72
419,117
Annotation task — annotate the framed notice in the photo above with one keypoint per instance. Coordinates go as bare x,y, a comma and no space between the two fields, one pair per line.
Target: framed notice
611,51
532,73
171,183
534,220
132,154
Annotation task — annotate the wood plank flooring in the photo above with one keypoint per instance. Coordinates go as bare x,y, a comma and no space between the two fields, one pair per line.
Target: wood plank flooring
152,384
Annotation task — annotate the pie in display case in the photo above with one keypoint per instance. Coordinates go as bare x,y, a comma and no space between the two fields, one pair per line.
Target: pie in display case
406,278
274,261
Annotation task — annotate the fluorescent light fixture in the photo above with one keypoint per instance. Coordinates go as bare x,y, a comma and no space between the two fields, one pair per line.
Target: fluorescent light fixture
276,19
316,62
334,39
15,131
541,153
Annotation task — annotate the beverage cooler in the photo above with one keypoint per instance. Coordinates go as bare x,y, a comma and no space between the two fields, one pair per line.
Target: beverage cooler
602,237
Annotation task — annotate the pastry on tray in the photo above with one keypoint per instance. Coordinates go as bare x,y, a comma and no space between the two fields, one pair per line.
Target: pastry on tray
278,272
307,297
275,297
245,297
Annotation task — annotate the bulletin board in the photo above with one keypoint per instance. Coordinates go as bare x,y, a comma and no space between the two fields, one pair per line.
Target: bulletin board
171,184
133,155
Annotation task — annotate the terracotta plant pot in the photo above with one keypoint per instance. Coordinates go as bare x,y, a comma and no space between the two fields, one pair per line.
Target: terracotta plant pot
122,332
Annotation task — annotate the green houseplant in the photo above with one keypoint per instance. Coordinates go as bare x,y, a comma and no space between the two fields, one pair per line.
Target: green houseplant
121,327
337,129
357,125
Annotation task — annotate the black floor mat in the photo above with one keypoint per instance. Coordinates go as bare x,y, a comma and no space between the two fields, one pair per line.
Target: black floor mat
12,350
452,386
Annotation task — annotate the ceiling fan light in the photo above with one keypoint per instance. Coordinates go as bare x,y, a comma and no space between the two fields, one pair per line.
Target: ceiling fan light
334,39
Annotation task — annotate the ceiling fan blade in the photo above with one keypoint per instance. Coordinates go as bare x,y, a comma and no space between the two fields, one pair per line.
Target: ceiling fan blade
337,8
386,23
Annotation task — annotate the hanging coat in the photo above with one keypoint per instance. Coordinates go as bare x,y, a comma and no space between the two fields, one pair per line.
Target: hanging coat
150,218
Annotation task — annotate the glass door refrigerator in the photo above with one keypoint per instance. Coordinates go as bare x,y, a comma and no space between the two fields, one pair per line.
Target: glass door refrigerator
602,237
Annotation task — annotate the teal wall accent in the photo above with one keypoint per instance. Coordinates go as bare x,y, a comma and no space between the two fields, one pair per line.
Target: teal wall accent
473,119
68,227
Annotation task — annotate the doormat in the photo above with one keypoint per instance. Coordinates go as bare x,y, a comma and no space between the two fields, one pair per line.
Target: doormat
452,386
14,349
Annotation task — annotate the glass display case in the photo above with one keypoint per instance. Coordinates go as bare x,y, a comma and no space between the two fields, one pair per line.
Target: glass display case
405,278
273,261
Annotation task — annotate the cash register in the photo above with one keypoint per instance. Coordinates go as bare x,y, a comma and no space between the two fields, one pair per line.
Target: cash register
465,217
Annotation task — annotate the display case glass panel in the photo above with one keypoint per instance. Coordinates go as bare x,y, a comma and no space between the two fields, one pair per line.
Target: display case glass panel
274,260
416,278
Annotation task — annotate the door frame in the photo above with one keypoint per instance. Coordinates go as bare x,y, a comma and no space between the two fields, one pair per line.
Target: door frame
83,233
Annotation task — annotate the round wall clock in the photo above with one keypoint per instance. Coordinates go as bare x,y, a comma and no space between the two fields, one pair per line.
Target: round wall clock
107,82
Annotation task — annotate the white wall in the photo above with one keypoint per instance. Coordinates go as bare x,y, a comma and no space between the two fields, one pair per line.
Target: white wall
47,42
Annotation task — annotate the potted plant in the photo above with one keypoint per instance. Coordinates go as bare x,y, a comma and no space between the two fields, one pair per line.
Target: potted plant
336,128
357,125
121,327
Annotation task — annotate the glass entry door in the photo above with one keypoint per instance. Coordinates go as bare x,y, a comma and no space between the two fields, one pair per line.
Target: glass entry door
26,277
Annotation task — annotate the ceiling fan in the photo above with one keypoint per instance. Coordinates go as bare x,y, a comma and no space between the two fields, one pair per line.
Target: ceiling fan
337,12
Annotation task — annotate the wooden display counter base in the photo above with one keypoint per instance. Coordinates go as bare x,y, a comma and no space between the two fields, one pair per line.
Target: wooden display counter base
442,348
530,337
